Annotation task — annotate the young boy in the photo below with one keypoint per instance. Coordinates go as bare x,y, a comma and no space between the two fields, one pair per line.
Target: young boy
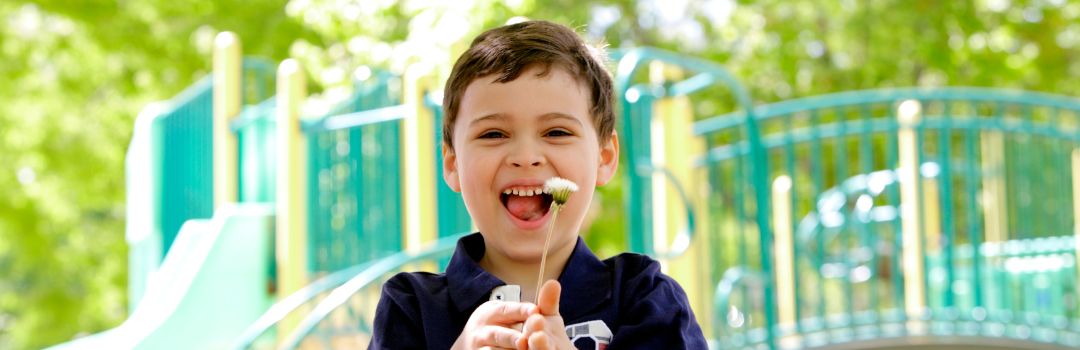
527,102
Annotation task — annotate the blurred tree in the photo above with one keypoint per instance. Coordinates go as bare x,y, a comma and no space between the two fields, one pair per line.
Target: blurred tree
75,73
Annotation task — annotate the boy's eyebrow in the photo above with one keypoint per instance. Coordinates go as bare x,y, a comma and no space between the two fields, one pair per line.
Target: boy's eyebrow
544,117
557,115
491,117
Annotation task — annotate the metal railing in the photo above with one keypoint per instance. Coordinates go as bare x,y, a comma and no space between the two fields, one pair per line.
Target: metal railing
184,130
340,307
354,178
996,173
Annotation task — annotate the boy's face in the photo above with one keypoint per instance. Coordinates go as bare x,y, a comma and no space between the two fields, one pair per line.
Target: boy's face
514,136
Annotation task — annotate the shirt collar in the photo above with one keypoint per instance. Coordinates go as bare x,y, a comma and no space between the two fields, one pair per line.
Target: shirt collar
585,279
467,281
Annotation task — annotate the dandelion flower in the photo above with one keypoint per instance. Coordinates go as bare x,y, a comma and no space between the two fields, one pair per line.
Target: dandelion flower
560,189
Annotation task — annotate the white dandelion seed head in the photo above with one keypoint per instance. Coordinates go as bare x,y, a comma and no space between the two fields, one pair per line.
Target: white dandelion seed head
559,189
558,183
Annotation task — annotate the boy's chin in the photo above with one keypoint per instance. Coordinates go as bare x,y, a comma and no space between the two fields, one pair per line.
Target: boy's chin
525,249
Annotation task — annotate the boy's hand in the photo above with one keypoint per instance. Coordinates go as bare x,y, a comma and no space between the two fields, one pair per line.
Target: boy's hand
491,326
545,329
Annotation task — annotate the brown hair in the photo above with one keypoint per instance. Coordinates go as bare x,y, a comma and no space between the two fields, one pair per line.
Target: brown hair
508,50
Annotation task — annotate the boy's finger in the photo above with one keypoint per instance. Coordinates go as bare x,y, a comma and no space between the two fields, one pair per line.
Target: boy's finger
548,302
538,341
506,313
535,323
499,337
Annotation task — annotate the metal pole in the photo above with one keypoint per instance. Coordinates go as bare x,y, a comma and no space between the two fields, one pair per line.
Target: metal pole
226,76
418,163
784,251
291,187
914,298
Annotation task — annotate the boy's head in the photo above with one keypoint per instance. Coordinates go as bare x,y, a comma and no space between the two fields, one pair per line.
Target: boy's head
524,103
507,51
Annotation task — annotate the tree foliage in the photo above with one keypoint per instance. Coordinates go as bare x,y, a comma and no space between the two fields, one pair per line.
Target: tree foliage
75,73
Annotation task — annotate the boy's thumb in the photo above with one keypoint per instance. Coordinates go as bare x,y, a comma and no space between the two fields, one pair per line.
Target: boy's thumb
549,298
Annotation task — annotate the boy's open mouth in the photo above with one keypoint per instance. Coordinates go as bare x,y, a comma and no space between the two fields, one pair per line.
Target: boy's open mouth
526,204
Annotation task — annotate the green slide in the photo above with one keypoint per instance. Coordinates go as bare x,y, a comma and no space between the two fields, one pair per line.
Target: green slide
212,284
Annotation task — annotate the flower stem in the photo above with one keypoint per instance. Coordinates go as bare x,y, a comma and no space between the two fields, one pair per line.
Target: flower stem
543,258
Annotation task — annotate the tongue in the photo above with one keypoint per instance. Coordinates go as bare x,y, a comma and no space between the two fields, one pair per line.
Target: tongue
526,208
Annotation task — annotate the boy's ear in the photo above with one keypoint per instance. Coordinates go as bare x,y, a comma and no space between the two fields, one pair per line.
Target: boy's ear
609,159
449,165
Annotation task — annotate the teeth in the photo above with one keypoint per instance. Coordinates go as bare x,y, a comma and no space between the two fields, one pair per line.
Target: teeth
524,191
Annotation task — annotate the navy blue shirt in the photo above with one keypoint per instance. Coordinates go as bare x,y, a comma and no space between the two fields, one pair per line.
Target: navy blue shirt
638,306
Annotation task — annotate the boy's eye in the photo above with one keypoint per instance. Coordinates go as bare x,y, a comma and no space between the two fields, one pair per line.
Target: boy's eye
558,133
491,135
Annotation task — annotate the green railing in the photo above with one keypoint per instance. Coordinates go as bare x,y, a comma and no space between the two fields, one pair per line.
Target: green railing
636,102
263,333
738,227
354,178
337,309
996,174
256,142
355,199
995,167
343,318
184,133
853,292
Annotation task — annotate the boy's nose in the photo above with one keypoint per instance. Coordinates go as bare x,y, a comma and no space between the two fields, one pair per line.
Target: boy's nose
525,157
537,161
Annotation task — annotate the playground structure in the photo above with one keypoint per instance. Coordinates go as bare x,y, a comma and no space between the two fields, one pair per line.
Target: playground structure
865,219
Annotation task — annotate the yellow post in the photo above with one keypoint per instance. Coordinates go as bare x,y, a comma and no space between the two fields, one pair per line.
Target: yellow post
418,161
291,186
784,250
914,300
659,144
227,71
931,213
673,148
291,178
994,200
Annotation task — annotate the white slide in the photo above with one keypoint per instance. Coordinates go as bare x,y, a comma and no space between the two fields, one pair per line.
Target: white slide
212,284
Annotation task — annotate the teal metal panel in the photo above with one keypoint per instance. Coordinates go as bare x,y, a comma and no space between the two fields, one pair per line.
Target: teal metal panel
840,150
354,179
848,241
186,160
256,139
